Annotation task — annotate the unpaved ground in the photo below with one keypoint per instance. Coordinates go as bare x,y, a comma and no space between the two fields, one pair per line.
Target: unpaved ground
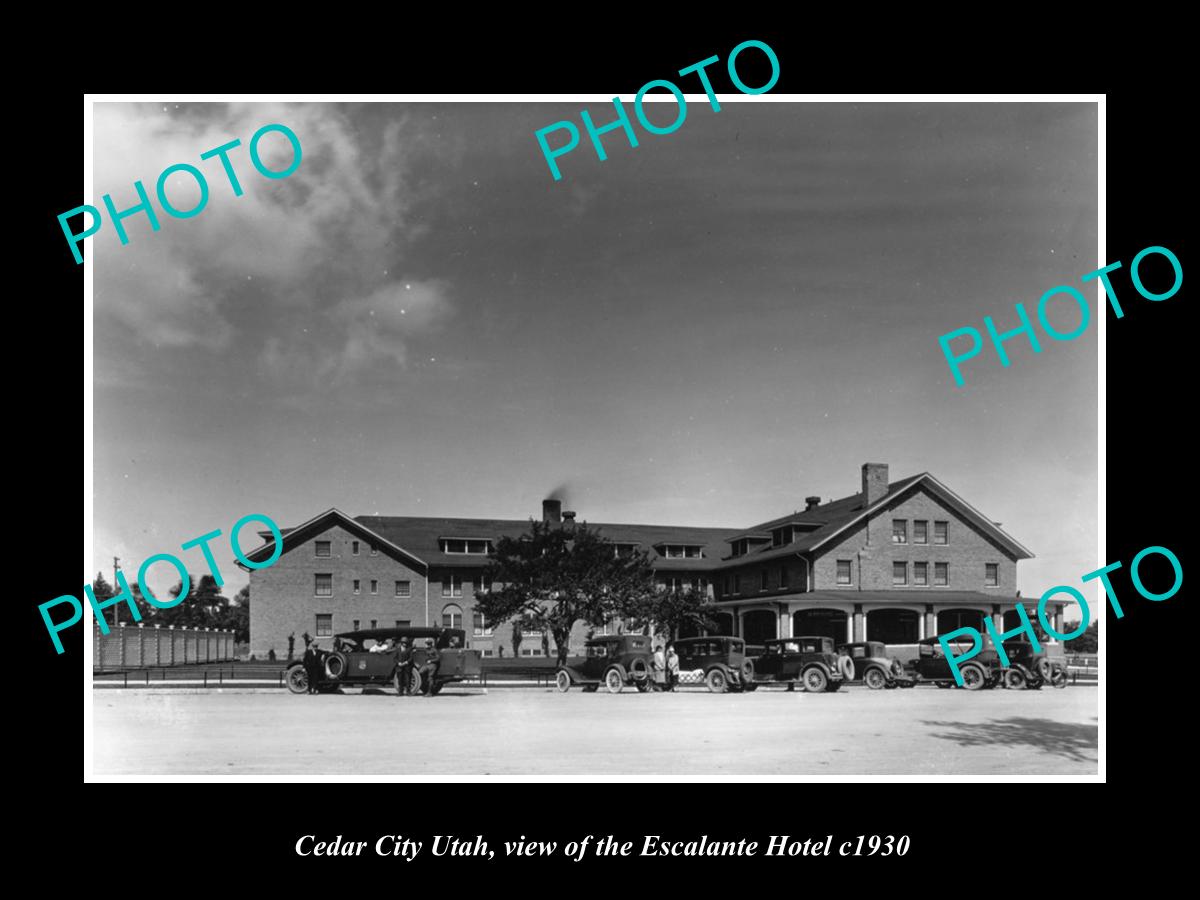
923,731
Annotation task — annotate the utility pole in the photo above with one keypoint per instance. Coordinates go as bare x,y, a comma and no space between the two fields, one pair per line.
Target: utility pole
116,606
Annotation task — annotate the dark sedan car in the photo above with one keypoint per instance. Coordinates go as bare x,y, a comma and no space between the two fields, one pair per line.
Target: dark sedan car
615,661
808,660
874,668
982,670
718,661
1029,668
361,659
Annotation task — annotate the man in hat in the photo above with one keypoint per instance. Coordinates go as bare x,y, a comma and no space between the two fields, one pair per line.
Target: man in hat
312,666
404,666
433,660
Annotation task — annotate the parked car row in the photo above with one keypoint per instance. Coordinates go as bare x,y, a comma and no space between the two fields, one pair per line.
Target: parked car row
725,663
722,663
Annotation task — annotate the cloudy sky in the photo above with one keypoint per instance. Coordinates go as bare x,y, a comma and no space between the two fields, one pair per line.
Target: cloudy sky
702,330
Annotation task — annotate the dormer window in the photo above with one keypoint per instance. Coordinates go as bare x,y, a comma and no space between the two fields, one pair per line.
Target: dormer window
781,536
623,549
680,551
473,546
739,547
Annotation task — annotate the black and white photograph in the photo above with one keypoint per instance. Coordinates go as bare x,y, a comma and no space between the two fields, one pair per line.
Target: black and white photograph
524,439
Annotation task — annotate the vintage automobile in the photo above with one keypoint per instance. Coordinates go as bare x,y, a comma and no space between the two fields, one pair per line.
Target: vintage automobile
931,665
353,663
1028,668
616,661
811,661
874,668
717,661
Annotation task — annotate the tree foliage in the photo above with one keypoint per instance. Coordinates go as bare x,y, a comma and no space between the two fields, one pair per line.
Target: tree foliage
670,613
554,576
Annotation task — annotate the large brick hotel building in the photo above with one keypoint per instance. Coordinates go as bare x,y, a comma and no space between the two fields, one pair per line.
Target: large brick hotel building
896,562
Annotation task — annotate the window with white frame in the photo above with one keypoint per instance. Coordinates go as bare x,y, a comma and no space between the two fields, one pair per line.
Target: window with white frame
899,573
843,571
322,549
475,546
899,531
451,585
452,616
941,532
480,623
941,573
324,624
920,531
323,584
921,573
991,574
357,586
403,588
374,586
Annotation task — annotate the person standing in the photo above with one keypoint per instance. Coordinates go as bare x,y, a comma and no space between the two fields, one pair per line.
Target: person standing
672,668
404,667
312,666
433,661
658,667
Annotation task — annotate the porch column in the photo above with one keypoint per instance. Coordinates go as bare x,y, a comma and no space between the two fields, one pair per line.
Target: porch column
921,635
930,621
998,618
737,623
1058,620
785,621
849,629
860,623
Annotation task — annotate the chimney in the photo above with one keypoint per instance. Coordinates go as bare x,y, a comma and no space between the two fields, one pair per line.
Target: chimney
569,517
811,503
552,511
874,482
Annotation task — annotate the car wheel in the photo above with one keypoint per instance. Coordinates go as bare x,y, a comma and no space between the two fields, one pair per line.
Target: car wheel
562,681
297,680
1045,668
335,665
613,682
815,680
875,679
846,667
1059,676
717,681
973,678
747,671
414,686
1015,680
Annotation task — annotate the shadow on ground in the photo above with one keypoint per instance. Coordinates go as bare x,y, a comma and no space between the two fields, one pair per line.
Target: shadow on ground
1073,741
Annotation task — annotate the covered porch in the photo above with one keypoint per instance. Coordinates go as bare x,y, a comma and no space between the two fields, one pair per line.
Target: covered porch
893,617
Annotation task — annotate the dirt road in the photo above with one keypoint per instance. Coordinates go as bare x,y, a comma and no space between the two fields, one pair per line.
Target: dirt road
924,731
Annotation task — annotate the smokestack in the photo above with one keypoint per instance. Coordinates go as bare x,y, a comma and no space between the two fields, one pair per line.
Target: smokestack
811,503
874,482
552,511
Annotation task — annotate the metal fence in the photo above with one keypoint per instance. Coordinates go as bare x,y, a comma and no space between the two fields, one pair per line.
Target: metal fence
141,645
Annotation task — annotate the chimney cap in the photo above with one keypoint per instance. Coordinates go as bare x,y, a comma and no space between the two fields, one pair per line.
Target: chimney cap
568,514
812,501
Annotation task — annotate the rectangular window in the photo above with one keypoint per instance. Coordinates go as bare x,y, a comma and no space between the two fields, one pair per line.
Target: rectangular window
941,532
374,623
324,585
354,547
324,624
734,587
489,652
357,585
692,552
322,549
403,623
481,625
525,651
991,574
920,531
899,573
843,571
452,586
899,531
783,576
403,588
941,574
921,573
374,586
762,580
355,628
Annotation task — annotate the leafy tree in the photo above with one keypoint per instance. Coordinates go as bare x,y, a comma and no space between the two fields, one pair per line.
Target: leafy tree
556,576
1088,642
667,613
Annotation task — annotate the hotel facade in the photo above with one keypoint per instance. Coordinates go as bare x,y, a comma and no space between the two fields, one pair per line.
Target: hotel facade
897,562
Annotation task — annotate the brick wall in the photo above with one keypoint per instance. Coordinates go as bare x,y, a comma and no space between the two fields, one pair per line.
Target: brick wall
283,598
967,551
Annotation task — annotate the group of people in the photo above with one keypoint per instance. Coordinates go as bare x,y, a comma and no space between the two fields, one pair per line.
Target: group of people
665,667
406,663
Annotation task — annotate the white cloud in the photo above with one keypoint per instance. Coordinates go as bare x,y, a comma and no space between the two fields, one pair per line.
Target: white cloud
335,228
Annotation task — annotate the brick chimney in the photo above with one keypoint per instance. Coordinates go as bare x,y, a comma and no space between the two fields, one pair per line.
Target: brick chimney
552,510
569,518
811,503
874,482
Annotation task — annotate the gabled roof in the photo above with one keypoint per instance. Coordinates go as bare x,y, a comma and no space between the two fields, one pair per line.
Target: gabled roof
839,515
321,523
